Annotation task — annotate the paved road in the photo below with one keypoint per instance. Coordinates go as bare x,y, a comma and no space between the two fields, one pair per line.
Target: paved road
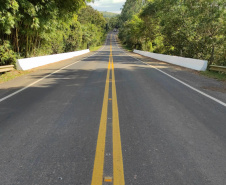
110,119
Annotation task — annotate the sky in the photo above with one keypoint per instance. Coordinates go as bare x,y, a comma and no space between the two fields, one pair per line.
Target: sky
108,5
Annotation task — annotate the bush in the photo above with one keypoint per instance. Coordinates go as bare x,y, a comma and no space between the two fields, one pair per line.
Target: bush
7,55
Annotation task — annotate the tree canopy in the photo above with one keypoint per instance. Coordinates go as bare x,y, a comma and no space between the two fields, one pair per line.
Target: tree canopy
190,28
39,27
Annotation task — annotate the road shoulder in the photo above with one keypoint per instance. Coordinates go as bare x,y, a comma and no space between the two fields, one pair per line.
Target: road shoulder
35,74
210,86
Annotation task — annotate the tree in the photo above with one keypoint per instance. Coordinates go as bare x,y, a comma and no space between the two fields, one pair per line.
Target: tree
191,28
39,27
93,26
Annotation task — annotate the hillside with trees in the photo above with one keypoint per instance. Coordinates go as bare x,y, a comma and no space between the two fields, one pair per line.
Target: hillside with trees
32,28
194,29
109,14
111,19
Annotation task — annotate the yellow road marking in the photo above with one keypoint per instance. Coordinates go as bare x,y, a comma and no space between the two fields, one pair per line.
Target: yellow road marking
118,172
98,168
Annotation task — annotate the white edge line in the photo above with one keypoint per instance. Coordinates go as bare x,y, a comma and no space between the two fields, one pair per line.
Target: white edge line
187,85
20,90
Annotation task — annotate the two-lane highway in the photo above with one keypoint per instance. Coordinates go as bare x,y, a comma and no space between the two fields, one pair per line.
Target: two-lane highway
111,119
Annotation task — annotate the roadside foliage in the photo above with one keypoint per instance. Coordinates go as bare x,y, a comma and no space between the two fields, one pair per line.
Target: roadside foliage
33,28
192,28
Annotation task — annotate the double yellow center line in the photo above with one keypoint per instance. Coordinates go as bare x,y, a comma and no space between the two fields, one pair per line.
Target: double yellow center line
98,169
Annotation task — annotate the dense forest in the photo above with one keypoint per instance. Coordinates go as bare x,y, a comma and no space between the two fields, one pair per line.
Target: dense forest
191,28
40,27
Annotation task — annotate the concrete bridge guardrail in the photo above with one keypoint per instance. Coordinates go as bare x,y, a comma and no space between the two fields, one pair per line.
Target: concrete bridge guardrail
30,63
196,64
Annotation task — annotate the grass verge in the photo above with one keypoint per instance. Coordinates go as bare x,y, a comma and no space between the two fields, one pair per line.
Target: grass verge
5,77
216,75
95,48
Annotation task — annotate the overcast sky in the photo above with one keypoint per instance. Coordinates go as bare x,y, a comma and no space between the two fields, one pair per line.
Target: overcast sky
108,5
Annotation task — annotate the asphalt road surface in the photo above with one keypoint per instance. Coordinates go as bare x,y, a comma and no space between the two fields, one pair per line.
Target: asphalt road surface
108,118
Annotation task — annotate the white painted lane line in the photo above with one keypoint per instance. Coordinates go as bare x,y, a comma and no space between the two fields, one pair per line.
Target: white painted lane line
20,90
180,81
189,86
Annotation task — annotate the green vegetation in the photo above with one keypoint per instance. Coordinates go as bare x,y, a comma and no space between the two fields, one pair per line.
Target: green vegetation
13,74
94,48
109,14
32,28
113,22
7,56
126,47
192,28
93,27
213,74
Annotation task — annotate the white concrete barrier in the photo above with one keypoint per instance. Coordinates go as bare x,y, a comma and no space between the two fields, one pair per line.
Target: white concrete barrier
29,63
196,64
